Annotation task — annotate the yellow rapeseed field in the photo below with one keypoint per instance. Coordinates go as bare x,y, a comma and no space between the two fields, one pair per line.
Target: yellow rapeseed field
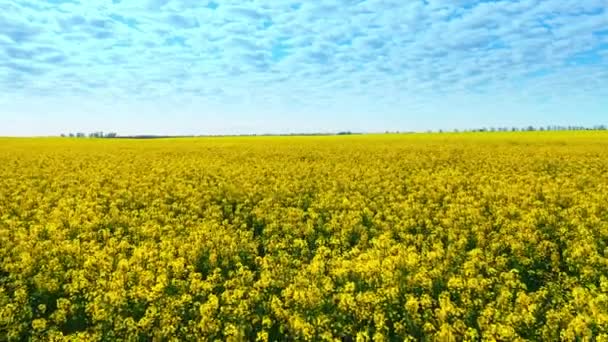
447,237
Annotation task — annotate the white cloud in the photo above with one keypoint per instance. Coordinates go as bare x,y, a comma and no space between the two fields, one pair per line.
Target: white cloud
318,54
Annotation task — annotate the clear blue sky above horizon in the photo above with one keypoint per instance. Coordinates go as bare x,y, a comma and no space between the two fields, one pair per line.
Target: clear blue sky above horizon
270,66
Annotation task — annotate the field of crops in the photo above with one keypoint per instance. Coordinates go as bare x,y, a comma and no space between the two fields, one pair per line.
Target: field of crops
449,237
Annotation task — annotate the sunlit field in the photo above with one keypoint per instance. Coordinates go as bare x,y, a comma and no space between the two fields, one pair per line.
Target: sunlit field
450,237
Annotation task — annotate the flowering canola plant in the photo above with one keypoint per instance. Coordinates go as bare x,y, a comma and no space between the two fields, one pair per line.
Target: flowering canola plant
445,237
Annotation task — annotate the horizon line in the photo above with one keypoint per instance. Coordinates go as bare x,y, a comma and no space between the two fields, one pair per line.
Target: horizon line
512,129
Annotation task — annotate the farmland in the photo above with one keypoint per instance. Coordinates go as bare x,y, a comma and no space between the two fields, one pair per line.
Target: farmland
476,236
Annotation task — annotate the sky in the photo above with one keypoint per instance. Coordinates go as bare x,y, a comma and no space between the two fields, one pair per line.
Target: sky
287,66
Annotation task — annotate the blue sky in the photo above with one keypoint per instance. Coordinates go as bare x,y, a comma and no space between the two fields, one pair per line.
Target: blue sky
269,66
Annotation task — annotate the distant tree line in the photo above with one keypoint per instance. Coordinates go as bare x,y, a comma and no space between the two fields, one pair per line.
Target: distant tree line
151,136
530,129
90,135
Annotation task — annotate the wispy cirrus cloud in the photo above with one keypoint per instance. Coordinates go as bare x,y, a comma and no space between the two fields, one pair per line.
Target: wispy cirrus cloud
369,65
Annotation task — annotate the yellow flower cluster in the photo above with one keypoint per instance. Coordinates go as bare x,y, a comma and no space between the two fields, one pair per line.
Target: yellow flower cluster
447,237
